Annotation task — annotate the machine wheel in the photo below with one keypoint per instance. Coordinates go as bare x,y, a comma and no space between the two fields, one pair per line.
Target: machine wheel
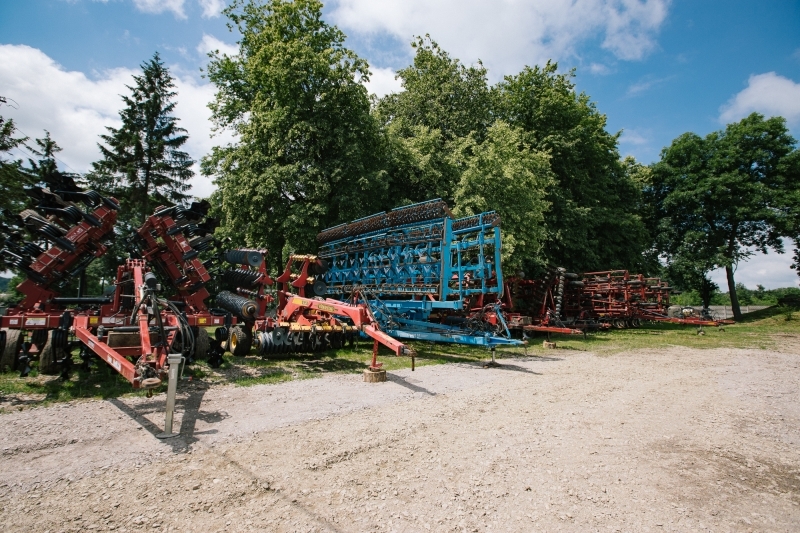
13,344
240,341
52,352
201,344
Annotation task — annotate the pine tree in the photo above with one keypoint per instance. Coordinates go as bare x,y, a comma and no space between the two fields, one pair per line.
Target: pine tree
142,163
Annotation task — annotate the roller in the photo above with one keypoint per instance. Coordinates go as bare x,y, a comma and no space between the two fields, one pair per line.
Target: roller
251,258
238,305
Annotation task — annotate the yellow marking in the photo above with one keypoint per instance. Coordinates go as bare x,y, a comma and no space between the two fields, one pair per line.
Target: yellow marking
299,301
93,320
326,307
202,320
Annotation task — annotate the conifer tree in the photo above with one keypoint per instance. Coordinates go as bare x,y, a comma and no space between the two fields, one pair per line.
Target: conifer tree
143,165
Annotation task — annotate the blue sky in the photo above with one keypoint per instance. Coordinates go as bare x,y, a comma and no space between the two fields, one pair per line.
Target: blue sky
656,68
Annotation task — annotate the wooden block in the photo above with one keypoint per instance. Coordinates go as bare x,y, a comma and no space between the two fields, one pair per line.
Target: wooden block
549,345
374,376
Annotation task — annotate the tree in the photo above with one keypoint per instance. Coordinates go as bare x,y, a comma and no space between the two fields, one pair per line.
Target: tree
442,103
503,174
13,177
143,165
308,152
722,198
593,222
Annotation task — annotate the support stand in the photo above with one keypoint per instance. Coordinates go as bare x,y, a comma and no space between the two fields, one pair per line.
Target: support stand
492,363
172,387
374,374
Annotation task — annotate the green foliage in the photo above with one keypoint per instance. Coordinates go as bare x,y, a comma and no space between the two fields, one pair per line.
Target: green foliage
716,200
503,174
443,103
309,152
142,164
13,176
593,221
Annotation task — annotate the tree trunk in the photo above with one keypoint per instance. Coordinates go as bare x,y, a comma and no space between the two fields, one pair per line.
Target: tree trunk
737,313
706,292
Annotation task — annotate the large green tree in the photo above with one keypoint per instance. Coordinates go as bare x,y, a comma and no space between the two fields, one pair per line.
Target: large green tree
722,198
442,103
502,174
143,164
308,153
593,222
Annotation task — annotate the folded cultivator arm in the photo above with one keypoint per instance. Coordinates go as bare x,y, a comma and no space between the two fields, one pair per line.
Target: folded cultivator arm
51,245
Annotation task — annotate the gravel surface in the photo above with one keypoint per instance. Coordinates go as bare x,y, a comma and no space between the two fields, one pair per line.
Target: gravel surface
657,440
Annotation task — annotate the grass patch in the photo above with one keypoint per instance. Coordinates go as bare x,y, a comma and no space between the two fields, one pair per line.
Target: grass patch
764,329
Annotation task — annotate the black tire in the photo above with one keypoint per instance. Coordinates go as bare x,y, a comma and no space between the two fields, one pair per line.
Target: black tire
202,344
13,344
52,352
240,341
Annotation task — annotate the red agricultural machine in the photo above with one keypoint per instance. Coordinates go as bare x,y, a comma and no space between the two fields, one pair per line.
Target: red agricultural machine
289,313
548,305
567,303
51,244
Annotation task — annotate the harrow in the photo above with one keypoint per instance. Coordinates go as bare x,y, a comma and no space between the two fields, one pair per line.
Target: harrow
423,274
288,313
51,245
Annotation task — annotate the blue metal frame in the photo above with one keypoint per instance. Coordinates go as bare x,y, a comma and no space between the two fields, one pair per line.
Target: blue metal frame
409,270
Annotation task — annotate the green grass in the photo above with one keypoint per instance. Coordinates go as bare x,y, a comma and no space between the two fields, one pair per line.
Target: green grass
763,329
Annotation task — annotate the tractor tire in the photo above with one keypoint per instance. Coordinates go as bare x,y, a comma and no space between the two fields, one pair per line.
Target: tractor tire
13,344
52,351
202,344
240,341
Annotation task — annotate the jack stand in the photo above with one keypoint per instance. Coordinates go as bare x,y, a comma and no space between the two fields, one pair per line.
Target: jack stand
492,363
172,387
374,374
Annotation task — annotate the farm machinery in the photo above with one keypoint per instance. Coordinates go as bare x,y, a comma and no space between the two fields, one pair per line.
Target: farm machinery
422,273
567,303
289,313
548,305
624,300
51,245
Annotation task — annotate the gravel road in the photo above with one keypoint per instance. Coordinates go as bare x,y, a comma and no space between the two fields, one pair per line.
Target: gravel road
657,440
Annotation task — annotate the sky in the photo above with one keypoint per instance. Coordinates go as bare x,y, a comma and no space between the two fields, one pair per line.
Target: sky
655,68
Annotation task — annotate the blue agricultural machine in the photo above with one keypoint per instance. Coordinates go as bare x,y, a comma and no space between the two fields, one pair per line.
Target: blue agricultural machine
424,274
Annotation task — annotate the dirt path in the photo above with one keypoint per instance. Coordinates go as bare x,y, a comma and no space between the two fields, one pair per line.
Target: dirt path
670,440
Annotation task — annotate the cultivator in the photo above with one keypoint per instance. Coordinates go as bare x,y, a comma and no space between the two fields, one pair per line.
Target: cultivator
562,302
423,274
289,314
51,244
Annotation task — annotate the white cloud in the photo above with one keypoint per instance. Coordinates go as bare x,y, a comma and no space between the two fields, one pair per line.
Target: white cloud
645,85
382,82
212,8
769,94
209,43
633,137
76,109
599,69
770,270
507,34
160,6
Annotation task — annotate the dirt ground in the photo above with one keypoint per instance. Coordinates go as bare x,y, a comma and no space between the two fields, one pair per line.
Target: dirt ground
658,440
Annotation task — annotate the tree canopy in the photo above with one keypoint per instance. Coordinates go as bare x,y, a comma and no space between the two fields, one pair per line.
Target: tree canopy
308,152
722,198
143,164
